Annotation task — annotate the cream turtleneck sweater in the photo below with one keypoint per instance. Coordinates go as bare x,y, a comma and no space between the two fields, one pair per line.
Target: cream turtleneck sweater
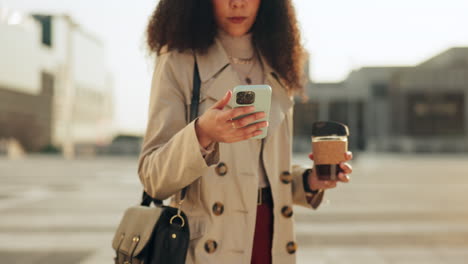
242,47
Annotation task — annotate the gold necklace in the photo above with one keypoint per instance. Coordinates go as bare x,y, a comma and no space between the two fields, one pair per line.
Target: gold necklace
243,61
248,80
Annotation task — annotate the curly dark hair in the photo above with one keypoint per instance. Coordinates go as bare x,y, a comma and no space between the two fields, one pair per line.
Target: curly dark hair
190,24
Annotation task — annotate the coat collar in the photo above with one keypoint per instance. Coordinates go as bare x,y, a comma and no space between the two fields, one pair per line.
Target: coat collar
215,60
212,62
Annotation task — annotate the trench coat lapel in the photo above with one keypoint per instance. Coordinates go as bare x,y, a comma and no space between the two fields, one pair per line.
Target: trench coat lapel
214,67
225,81
280,105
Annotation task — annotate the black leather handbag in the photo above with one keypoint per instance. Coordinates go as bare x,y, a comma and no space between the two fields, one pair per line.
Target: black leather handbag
159,234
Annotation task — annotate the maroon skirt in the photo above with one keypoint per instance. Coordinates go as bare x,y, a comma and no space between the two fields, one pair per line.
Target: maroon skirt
261,253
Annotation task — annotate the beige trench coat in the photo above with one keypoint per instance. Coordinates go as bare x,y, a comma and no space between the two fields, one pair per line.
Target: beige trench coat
221,199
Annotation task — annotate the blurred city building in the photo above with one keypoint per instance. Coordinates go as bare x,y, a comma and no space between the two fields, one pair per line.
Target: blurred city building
122,145
409,109
55,88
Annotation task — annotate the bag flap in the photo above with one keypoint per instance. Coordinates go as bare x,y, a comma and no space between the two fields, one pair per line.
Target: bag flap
137,222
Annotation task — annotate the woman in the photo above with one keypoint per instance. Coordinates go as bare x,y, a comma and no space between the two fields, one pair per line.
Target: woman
240,190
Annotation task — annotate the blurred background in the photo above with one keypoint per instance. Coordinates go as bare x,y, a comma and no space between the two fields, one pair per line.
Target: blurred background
74,86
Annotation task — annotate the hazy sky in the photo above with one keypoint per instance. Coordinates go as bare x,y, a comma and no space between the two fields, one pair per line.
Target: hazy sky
341,35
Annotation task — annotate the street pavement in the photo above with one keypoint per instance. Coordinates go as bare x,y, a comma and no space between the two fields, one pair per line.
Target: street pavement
402,209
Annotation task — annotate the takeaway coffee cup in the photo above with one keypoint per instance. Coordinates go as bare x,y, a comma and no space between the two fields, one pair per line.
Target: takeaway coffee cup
329,145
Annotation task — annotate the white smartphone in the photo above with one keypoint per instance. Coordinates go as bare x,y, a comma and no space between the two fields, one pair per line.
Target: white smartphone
256,95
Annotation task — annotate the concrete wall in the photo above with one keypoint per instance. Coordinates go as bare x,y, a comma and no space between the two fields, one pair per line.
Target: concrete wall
82,83
375,100
454,57
429,82
26,117
20,61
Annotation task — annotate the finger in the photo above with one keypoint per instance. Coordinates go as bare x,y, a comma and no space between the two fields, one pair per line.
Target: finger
343,177
348,155
256,133
233,124
244,136
223,102
247,131
249,119
329,184
325,184
233,113
347,168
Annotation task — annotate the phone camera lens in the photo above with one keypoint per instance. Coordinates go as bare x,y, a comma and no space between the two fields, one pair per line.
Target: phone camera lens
245,98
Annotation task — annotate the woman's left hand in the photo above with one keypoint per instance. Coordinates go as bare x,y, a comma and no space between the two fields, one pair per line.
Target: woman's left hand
316,184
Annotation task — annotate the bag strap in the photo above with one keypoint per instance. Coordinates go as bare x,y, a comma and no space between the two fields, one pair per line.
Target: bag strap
146,198
195,93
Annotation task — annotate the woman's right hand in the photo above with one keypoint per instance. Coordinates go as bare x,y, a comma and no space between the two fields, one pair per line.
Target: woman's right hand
216,124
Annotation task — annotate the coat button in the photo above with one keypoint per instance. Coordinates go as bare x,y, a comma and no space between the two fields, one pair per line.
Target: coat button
210,246
221,169
218,208
287,211
291,247
286,177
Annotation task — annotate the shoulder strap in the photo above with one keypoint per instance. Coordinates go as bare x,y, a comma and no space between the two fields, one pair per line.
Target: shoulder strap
147,199
195,93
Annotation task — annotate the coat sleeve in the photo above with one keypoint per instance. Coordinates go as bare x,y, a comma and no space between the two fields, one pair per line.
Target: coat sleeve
170,158
300,197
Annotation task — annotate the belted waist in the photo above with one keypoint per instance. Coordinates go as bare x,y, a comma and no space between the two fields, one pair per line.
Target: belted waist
264,196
